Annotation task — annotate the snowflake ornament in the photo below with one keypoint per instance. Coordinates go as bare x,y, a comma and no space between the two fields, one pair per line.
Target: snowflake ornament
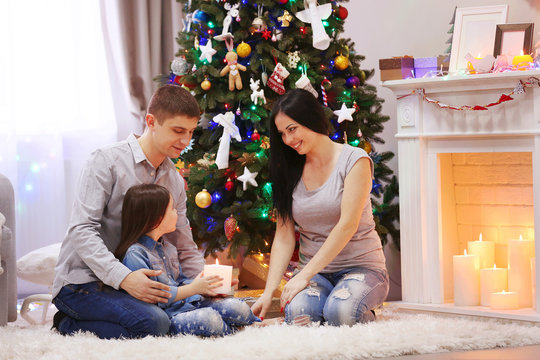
293,57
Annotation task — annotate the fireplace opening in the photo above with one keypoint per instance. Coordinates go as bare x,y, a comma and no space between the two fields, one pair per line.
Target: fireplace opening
486,196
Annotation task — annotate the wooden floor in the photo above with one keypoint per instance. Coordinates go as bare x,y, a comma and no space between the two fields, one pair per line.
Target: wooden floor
518,353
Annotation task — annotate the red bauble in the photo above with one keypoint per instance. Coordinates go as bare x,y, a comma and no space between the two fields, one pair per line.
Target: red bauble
282,1
342,12
229,185
255,136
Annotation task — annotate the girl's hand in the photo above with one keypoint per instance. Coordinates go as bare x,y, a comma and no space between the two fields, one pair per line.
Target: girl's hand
293,287
205,285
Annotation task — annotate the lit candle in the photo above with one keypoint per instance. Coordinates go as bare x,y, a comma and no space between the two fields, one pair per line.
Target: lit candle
504,300
466,280
492,280
522,62
533,281
223,271
485,251
479,64
520,253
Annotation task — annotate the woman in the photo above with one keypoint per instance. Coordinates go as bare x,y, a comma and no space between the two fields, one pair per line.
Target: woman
323,188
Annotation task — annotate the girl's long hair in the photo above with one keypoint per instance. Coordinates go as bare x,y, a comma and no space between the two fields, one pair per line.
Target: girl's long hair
286,165
143,209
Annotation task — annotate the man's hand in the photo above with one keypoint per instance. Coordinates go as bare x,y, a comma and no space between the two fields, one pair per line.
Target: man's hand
138,285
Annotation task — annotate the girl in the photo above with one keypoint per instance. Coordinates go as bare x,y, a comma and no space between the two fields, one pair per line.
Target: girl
323,188
147,214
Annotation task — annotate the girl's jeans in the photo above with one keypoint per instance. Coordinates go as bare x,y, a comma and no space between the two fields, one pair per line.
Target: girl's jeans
108,313
342,298
213,317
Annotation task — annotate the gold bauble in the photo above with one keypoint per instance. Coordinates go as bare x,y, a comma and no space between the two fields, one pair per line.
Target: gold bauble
341,62
203,199
206,84
243,50
367,146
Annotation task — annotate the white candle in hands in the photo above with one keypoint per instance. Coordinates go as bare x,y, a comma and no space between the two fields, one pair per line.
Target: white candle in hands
223,271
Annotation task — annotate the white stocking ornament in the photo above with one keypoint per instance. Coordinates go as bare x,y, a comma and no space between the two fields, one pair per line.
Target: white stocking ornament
275,81
304,83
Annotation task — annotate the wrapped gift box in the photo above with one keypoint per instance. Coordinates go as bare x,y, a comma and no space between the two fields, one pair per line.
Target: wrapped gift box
255,271
424,65
396,68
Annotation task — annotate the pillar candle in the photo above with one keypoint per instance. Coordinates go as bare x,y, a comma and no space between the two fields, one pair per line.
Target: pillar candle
533,281
485,251
224,271
492,280
466,280
520,253
504,300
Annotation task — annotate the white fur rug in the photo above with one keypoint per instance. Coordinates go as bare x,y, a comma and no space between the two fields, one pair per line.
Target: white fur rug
393,334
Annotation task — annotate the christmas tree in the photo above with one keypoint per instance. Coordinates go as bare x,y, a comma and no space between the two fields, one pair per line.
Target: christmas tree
238,58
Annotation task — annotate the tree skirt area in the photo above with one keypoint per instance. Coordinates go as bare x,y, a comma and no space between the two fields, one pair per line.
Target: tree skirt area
393,334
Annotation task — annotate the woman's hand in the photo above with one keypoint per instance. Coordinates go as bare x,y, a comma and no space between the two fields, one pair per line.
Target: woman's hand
262,305
205,285
293,287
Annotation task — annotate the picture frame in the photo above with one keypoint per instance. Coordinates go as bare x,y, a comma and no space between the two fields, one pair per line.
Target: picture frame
474,33
511,39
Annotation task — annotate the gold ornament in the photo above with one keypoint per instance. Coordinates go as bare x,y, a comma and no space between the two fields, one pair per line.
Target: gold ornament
206,85
265,142
285,19
367,146
341,62
203,199
243,50
247,159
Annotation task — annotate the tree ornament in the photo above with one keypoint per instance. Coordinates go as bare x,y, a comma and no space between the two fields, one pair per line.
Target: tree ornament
229,226
282,1
232,12
207,51
258,24
341,62
203,199
179,66
255,136
247,158
243,50
304,83
206,84
352,82
342,12
362,76
325,85
367,146
266,34
315,14
293,57
247,177
232,68
230,130
199,16
275,82
257,96
285,19
344,113
229,185
265,142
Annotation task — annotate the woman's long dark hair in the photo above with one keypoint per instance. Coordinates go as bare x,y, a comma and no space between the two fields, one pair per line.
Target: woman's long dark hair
286,165
143,209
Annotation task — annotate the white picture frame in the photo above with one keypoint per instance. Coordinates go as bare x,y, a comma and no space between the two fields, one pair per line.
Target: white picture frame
474,33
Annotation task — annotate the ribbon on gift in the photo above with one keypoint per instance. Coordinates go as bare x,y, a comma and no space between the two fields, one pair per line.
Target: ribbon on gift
230,130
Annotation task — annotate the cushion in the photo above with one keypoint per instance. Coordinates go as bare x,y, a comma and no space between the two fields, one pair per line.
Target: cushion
38,266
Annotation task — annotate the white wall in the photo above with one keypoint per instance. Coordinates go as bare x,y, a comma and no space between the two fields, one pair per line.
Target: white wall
386,28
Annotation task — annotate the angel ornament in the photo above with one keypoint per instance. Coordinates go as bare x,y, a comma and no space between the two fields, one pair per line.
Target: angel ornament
232,68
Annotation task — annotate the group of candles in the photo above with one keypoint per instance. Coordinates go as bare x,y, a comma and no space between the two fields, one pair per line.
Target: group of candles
484,64
477,280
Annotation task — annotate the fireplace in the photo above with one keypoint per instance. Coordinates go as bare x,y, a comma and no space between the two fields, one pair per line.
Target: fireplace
463,173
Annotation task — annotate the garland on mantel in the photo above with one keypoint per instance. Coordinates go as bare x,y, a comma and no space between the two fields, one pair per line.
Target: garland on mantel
519,89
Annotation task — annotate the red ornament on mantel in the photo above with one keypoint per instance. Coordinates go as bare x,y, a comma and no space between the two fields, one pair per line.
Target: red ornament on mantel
342,12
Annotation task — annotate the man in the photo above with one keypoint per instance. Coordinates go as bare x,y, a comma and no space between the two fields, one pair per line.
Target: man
93,290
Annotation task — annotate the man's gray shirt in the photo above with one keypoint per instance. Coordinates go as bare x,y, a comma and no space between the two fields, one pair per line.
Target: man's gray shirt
94,230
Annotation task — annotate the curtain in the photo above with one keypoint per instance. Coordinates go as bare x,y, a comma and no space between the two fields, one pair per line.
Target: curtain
140,42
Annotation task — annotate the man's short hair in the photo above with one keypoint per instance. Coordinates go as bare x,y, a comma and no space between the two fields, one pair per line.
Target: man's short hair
172,100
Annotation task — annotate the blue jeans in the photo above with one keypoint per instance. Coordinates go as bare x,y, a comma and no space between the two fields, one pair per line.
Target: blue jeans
213,317
342,298
108,313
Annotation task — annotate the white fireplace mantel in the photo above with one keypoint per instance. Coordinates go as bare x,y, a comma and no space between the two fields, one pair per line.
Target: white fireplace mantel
425,130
